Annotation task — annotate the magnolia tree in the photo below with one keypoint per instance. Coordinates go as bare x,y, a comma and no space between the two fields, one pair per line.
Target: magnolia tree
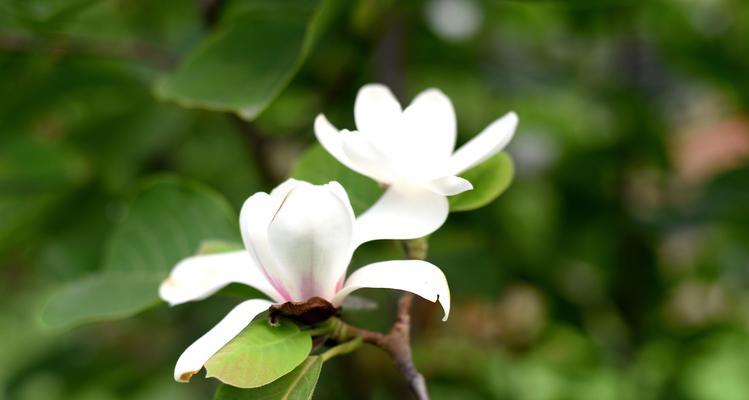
299,240
396,177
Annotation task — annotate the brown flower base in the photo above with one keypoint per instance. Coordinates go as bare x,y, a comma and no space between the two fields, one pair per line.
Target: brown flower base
310,312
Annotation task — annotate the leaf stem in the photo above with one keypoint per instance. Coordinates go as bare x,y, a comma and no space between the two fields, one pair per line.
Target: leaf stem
344,348
321,329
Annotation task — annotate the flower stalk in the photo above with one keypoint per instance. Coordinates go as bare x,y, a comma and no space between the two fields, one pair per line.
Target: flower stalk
397,342
343,348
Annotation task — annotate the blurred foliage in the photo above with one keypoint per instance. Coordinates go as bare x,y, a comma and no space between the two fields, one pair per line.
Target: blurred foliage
615,266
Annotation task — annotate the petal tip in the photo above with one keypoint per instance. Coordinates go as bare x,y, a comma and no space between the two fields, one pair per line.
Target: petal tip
374,86
165,291
184,377
433,90
321,120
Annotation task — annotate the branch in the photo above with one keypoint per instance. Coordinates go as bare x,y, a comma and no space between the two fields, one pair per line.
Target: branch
149,53
397,342
210,11
259,146
389,53
257,143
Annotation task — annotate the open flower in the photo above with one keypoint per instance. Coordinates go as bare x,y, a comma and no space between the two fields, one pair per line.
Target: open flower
412,152
299,241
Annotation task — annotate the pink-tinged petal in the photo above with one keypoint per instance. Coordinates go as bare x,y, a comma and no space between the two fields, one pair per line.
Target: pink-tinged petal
194,357
403,212
429,128
419,277
376,110
198,277
310,237
254,219
449,185
486,144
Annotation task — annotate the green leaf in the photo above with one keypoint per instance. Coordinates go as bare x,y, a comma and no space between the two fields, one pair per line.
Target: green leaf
318,167
107,295
260,354
489,180
247,62
212,246
35,176
299,384
167,222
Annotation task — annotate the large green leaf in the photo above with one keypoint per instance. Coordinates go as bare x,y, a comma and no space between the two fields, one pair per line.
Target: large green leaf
489,180
104,295
260,354
255,51
318,167
167,222
298,384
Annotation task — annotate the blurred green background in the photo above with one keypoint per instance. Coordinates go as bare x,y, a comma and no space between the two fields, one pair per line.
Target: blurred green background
616,266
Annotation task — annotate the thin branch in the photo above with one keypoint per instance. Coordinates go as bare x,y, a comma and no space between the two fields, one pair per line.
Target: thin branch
259,146
210,11
396,343
389,53
63,46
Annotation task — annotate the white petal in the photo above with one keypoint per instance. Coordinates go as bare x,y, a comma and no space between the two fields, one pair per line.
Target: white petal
254,220
429,127
370,159
279,192
198,277
376,109
403,212
310,237
340,192
331,140
449,185
486,144
415,276
195,356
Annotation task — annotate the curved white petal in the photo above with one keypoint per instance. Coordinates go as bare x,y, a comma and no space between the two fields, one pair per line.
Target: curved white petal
331,140
369,158
195,356
376,109
310,237
340,192
429,128
415,276
403,212
487,143
254,219
279,192
198,277
449,185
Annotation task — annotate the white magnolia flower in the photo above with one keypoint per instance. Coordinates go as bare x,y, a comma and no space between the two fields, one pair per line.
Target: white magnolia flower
412,152
299,241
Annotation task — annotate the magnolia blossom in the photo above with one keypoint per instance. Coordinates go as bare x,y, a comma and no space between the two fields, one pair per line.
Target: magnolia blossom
299,241
412,152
